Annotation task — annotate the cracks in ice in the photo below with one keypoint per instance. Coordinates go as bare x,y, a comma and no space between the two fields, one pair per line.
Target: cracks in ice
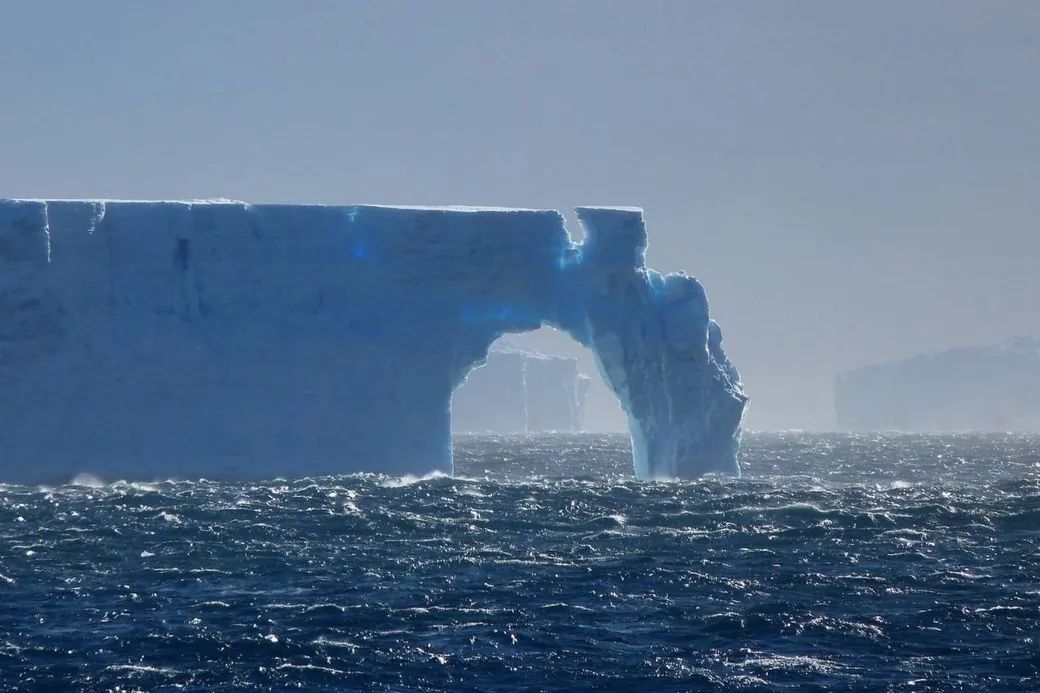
47,231
100,208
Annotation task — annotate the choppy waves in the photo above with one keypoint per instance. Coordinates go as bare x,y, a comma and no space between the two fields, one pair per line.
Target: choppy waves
840,562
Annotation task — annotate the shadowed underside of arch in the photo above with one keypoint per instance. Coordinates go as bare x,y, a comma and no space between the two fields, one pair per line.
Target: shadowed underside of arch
203,339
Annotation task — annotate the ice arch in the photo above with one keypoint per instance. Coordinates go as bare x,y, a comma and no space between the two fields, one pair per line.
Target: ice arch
221,339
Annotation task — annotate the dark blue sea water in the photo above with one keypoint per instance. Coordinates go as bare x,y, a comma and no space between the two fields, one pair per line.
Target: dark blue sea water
838,563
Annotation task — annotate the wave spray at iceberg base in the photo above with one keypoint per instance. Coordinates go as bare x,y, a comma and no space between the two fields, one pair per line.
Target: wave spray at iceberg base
228,340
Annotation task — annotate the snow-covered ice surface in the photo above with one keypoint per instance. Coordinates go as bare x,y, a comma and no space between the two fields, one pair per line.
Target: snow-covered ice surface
220,339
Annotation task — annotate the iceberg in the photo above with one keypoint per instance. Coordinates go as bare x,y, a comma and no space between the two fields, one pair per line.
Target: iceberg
521,391
982,388
220,339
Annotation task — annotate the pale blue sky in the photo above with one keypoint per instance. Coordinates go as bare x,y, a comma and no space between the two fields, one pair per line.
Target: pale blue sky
851,181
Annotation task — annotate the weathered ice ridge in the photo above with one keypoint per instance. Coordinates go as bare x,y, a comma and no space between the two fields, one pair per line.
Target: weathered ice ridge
228,340
985,388
520,391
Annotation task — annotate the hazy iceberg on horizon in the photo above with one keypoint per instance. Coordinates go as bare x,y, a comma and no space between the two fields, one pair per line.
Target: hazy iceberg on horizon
980,388
223,339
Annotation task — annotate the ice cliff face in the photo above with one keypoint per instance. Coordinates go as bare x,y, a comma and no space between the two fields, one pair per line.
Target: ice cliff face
199,339
987,388
520,391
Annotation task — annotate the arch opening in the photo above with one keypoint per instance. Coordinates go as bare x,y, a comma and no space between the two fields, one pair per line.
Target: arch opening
540,381
538,390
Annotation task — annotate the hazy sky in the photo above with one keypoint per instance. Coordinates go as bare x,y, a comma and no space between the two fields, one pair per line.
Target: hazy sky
852,181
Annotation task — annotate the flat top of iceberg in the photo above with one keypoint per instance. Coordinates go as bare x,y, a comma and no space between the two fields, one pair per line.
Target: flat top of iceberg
229,201
611,208
422,208
118,200
459,208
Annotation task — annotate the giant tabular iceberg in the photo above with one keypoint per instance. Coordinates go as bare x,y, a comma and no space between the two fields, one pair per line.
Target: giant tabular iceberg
222,339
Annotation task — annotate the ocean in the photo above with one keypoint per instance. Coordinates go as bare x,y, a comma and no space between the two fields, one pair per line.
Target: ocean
838,562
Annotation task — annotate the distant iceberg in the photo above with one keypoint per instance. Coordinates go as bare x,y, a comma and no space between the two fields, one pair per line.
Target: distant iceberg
988,388
521,391
226,340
